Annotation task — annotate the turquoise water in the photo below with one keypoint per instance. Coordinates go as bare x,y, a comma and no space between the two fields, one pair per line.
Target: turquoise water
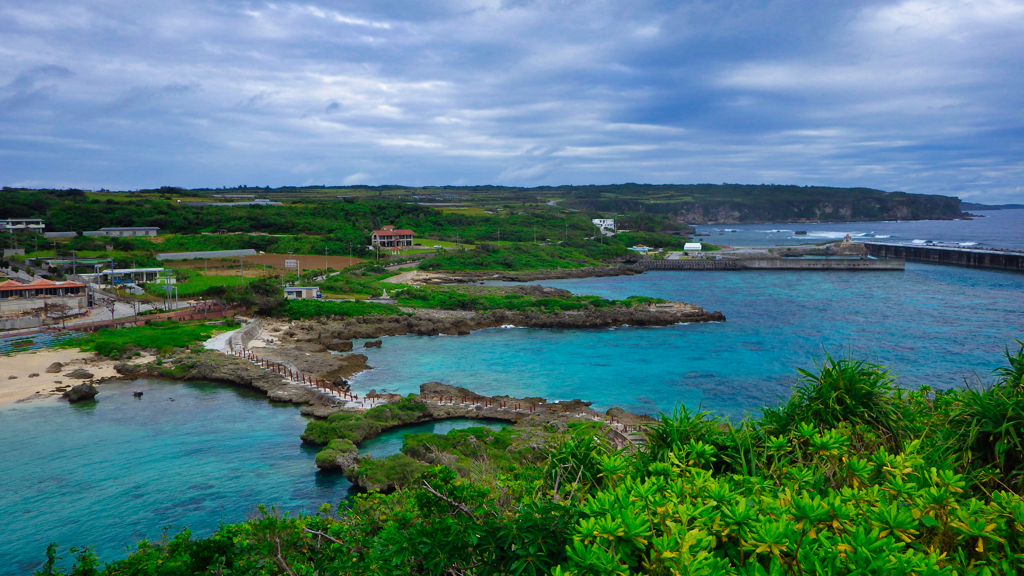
934,325
390,442
119,470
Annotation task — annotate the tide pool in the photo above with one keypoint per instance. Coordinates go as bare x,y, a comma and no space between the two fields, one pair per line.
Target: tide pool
110,473
932,325
390,442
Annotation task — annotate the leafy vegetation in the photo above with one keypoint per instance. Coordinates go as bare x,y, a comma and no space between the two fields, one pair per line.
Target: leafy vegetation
851,476
303,309
156,335
445,298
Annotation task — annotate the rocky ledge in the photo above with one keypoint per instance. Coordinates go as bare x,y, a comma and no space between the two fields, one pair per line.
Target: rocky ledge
433,322
464,276
217,367
535,419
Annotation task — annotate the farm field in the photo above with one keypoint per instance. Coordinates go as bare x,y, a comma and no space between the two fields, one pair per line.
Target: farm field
230,265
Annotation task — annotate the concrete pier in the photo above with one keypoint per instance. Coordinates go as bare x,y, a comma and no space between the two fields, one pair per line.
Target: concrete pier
774,264
970,257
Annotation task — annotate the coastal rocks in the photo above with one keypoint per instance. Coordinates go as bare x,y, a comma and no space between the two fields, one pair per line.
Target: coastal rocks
54,368
433,322
12,377
80,393
449,277
339,454
34,375
339,345
373,344
80,374
311,347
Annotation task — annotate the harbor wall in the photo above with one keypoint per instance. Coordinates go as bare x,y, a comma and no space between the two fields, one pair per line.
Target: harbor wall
773,264
997,259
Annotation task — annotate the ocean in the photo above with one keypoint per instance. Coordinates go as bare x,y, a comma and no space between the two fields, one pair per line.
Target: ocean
110,473
988,229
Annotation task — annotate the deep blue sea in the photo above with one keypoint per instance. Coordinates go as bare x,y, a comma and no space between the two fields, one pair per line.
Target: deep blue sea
110,473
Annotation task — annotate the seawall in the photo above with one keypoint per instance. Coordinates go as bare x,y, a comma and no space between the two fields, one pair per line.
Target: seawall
974,258
774,264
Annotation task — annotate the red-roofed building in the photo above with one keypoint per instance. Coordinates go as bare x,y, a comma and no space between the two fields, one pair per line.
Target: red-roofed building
389,237
18,298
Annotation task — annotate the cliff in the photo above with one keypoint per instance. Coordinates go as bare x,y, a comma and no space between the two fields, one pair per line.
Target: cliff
733,203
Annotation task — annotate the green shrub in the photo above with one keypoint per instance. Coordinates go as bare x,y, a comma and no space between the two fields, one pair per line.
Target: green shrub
302,309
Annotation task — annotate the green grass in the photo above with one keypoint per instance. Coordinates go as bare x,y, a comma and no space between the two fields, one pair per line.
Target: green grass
302,309
446,298
161,335
197,285
511,257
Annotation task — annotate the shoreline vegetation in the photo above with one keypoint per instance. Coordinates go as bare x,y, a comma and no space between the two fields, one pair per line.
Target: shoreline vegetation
851,475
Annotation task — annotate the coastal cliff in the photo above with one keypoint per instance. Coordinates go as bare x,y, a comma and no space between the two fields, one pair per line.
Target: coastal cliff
737,204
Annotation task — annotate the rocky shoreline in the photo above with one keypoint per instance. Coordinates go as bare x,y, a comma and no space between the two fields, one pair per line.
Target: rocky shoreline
468,276
457,323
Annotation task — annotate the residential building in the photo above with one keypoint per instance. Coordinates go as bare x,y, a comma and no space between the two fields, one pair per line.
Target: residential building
692,247
130,231
19,298
604,223
389,237
22,225
302,292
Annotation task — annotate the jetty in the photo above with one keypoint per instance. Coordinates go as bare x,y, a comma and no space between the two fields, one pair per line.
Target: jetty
774,264
957,256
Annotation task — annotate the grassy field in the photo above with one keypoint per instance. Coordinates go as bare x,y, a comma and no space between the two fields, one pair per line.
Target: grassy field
114,343
301,309
196,285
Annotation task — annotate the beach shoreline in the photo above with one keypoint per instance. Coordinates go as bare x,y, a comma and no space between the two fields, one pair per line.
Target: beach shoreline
23,388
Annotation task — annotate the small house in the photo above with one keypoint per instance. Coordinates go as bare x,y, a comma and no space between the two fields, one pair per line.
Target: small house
692,247
302,293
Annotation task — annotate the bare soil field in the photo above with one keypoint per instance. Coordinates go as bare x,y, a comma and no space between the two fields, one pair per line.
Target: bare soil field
306,261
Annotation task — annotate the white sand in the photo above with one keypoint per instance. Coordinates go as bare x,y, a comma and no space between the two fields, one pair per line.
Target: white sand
21,365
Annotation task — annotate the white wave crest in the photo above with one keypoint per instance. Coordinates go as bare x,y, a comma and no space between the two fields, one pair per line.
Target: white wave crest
918,241
836,235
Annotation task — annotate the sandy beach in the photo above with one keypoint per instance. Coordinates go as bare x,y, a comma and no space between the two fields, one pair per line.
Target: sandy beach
41,387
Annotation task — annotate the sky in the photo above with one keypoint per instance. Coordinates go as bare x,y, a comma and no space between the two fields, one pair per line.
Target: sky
922,96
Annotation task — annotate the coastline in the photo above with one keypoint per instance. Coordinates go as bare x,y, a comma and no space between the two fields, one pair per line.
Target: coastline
45,386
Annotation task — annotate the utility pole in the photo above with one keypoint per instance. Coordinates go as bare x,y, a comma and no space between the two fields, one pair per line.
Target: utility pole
241,269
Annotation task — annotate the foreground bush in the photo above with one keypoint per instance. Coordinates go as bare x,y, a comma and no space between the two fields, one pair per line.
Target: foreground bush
852,476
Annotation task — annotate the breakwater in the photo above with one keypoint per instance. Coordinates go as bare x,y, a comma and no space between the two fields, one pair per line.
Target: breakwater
971,257
774,264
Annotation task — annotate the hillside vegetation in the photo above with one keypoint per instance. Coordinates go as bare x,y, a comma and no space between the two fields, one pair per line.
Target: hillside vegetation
851,476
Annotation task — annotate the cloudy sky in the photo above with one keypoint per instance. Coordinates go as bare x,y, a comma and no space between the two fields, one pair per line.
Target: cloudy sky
918,95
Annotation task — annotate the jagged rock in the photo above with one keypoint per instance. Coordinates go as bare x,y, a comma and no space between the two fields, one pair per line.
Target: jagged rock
377,343
339,345
80,374
80,393
34,375
54,368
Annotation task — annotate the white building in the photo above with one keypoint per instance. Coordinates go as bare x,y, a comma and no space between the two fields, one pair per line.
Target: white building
302,292
604,223
692,247
128,231
22,224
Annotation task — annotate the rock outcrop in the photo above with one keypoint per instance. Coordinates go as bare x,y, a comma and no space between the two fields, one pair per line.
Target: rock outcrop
80,393
80,374
54,368
449,277
454,322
